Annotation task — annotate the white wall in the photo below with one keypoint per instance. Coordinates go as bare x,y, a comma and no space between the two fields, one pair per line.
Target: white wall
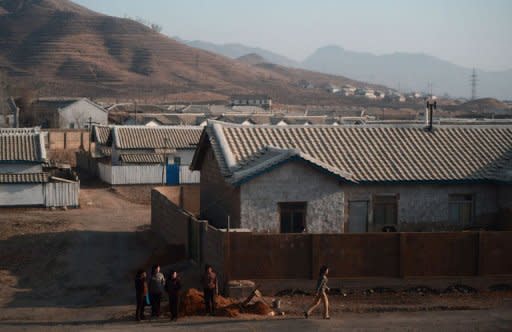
79,113
138,174
59,194
21,194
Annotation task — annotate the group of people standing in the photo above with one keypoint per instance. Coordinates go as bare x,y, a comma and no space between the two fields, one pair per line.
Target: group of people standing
149,291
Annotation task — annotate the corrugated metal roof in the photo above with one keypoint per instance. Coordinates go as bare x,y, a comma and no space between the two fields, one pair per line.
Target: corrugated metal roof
373,153
172,137
20,146
142,158
23,178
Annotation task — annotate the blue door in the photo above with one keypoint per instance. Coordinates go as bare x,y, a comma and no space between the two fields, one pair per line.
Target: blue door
173,174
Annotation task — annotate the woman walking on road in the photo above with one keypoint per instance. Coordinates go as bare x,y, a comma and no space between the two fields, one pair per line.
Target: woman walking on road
173,286
141,291
321,295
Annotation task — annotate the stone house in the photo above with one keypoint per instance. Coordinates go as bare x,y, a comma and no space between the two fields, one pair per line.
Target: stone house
334,179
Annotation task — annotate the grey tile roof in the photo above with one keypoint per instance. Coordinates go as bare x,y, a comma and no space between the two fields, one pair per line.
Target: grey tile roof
21,146
368,153
102,134
23,178
172,137
142,158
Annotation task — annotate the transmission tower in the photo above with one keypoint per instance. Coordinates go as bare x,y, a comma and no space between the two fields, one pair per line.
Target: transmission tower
473,80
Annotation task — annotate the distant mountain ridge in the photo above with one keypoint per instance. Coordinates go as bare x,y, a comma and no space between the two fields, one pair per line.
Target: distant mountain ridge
404,71
410,71
235,51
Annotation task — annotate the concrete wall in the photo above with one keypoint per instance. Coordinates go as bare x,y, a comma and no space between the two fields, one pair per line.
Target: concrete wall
218,198
22,194
70,139
79,113
424,207
292,182
168,220
21,168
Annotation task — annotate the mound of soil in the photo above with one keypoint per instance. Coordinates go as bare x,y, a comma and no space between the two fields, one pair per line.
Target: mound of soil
192,304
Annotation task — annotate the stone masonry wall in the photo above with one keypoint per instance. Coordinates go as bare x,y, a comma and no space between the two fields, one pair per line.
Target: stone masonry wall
292,182
424,207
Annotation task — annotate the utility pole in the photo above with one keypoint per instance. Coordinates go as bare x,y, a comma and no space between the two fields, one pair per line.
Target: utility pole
473,80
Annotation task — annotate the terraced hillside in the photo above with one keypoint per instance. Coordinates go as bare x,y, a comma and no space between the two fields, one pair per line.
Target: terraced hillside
65,49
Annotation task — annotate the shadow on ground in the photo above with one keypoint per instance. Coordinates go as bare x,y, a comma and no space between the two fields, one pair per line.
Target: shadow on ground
72,269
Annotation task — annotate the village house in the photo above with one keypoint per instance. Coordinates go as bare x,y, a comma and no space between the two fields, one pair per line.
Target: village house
63,113
145,155
252,100
25,178
335,179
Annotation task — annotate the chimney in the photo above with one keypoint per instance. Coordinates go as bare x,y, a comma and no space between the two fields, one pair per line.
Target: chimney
429,113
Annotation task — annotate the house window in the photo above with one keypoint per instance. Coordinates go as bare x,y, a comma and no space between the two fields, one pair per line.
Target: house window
177,160
292,217
72,125
461,209
385,209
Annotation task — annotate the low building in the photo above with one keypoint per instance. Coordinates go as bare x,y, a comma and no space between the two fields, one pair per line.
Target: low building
252,100
25,178
334,179
145,155
63,113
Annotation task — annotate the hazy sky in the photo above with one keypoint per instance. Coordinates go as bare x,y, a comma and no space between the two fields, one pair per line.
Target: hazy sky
467,32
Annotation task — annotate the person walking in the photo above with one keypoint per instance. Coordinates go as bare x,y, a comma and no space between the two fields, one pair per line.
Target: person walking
141,291
173,286
321,295
210,287
156,289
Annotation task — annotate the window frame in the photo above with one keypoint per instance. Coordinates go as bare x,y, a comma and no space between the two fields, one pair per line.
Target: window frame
394,203
459,203
289,207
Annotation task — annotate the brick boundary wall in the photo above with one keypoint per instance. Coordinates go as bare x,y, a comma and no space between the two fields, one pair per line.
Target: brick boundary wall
247,255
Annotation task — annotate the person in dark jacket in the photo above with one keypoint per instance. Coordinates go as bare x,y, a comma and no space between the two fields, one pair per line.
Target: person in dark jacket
141,291
156,289
173,286
321,295
210,286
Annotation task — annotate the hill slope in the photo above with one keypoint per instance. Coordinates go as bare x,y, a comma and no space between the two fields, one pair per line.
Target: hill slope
69,50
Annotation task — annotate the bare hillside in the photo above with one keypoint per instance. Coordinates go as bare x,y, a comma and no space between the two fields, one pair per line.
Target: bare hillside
60,48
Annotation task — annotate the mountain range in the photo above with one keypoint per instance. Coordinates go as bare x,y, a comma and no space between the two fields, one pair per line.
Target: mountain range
401,71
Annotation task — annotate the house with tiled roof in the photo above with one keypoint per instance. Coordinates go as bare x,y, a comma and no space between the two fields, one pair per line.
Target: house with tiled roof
145,155
345,178
24,180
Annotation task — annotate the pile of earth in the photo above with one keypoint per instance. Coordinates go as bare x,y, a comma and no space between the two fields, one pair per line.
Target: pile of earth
192,304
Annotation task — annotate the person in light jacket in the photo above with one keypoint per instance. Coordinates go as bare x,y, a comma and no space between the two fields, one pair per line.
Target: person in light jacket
156,289
321,295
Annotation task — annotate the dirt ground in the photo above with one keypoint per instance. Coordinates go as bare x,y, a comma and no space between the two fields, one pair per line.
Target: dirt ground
75,266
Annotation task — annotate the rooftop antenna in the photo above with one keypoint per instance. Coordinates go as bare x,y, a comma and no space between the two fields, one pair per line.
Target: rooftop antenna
473,80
